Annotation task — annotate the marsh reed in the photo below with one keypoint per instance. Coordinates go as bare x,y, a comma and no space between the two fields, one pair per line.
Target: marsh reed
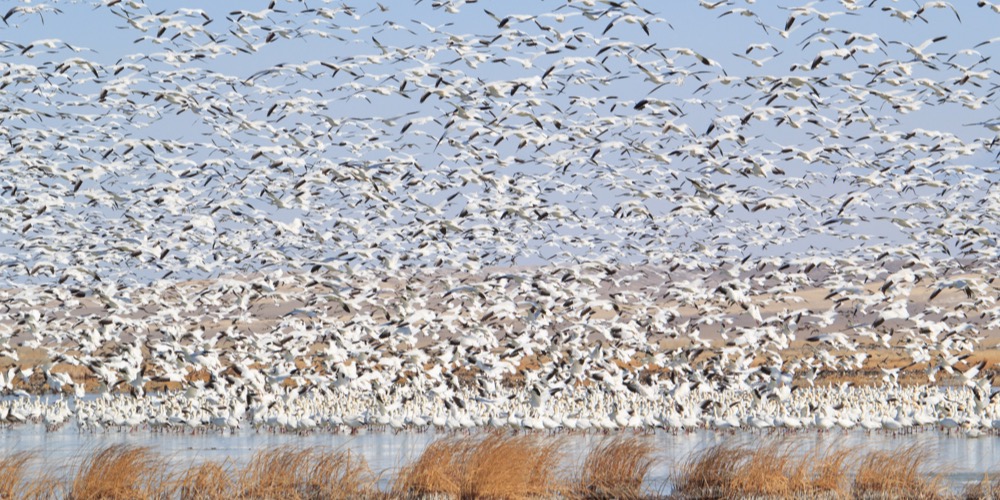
496,465
615,468
774,469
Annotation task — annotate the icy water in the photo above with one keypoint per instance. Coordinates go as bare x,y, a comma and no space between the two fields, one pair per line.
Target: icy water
960,459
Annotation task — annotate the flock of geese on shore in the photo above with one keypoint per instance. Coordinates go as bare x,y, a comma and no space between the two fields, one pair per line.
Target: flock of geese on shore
582,215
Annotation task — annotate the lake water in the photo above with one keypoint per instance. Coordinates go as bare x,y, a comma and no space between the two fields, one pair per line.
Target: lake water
960,458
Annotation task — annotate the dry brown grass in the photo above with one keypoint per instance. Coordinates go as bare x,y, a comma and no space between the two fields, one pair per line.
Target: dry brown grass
436,471
830,474
206,481
338,475
18,480
16,483
121,472
771,470
43,488
497,466
287,472
511,467
272,472
898,474
12,470
615,468
982,490
710,472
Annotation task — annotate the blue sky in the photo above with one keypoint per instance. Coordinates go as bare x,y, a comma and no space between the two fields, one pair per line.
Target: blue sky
270,132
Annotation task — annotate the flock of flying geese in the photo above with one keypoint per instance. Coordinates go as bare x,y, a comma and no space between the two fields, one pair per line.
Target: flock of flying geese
316,216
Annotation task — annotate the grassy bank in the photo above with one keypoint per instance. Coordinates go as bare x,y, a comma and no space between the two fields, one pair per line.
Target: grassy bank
495,466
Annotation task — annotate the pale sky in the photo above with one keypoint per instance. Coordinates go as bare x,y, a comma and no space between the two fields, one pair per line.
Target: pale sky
551,138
